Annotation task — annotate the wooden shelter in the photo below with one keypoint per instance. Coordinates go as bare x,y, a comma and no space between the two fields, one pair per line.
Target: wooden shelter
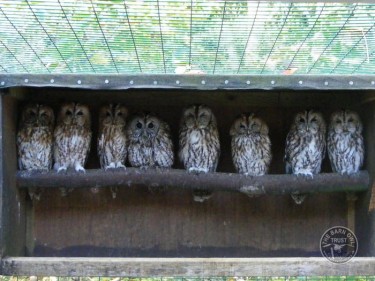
250,226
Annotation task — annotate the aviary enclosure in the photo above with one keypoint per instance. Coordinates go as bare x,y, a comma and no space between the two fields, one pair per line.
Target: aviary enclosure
271,58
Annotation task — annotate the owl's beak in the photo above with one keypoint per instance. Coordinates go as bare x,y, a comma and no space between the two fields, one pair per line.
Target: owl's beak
144,135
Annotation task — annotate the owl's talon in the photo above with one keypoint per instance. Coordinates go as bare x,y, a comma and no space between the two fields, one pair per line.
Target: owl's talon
114,192
201,195
62,168
305,174
112,165
298,198
120,165
79,168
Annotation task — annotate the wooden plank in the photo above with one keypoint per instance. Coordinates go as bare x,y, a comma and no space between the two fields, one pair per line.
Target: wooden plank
2,240
268,184
201,82
185,267
12,206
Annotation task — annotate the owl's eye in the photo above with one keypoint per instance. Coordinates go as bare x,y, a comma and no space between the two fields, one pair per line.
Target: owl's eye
79,113
338,121
44,115
150,126
202,115
350,120
107,114
139,125
242,126
68,112
301,120
119,114
32,113
313,120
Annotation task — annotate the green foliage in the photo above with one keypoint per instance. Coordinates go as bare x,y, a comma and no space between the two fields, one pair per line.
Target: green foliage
159,36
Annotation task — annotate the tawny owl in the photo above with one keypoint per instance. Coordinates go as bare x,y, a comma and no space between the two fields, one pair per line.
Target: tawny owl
112,145
199,143
305,146
251,145
345,142
35,140
72,137
150,143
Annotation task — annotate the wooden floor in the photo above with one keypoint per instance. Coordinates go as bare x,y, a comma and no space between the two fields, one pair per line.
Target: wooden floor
185,267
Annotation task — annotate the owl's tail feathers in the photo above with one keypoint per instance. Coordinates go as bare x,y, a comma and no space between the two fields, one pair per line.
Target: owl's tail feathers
298,198
201,195
35,193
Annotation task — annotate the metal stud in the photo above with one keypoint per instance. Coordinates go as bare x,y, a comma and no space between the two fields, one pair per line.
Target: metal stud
248,82
300,82
155,82
79,82
351,82
326,83
203,82
131,82
2,83
177,82
52,81
106,81
372,82
273,82
26,80
226,81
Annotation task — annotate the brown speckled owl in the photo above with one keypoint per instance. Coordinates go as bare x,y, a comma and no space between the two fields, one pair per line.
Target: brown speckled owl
72,137
35,140
199,143
150,143
112,145
345,142
251,145
305,146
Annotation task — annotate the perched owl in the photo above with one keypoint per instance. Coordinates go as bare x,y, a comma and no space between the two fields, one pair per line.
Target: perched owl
35,140
72,137
199,143
305,146
345,142
251,145
150,143
112,148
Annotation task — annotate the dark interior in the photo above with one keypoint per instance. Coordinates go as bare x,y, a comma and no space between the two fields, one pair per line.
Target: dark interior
167,223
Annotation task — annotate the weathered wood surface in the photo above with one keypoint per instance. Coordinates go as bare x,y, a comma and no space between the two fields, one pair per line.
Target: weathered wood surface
12,203
201,82
185,267
268,184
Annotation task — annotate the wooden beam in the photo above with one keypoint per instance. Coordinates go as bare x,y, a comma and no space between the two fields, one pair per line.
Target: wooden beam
185,267
269,184
201,82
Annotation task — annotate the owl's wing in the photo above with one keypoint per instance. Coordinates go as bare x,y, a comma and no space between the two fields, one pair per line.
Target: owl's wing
292,140
361,148
322,145
182,143
163,151
100,148
87,144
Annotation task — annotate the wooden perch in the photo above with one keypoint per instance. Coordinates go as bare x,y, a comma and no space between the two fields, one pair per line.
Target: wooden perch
269,184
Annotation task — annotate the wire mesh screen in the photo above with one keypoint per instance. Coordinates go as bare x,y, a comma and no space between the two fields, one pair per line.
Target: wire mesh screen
190,36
